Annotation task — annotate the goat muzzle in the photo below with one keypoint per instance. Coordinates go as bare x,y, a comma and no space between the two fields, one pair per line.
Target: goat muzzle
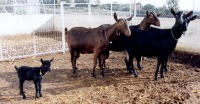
158,24
128,33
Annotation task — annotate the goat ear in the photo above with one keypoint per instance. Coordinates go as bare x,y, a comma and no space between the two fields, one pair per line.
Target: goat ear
189,14
159,14
193,18
129,18
51,60
147,13
41,60
115,16
173,12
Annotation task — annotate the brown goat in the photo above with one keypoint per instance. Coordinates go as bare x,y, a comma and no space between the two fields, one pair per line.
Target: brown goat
93,40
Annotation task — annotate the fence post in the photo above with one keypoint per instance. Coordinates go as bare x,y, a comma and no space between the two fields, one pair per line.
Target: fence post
63,25
34,43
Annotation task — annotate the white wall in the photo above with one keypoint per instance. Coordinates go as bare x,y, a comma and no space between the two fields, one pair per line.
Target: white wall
23,24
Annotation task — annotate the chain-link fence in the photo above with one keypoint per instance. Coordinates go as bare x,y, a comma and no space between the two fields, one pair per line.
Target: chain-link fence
32,29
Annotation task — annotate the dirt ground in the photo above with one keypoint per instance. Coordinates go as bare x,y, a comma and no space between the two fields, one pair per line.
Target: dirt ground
180,85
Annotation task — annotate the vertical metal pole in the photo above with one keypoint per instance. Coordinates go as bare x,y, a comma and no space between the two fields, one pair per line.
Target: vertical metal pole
111,13
34,43
135,8
89,12
63,26
54,13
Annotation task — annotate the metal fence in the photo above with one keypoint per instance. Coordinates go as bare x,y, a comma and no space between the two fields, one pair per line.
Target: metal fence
28,30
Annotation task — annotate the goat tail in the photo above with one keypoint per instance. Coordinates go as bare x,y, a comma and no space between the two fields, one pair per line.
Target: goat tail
66,31
16,68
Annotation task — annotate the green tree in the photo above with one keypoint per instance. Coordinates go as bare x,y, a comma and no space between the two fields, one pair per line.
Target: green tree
149,7
96,5
81,1
172,4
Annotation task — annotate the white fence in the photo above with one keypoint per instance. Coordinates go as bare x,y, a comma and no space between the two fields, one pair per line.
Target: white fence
30,33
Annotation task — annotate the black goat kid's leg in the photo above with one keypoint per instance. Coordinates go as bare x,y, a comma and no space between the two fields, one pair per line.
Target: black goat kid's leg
36,82
21,83
138,62
40,88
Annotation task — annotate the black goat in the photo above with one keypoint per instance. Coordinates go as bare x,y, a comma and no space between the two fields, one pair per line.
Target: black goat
156,42
33,73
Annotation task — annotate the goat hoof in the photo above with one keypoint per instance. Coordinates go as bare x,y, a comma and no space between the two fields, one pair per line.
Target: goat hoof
102,74
130,72
165,70
155,78
22,93
24,97
136,75
36,97
40,95
162,76
93,75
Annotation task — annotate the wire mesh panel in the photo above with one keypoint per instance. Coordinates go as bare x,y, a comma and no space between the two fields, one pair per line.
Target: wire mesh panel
16,45
47,39
29,33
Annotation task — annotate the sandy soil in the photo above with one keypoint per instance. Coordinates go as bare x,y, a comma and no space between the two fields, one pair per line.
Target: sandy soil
180,85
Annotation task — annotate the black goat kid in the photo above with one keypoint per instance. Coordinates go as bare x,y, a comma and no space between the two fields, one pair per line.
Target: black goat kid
33,74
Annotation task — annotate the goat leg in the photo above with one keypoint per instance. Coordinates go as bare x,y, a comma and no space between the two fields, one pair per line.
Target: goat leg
165,64
40,87
138,62
102,60
132,69
158,65
36,82
21,81
127,66
73,61
130,66
96,55
161,70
